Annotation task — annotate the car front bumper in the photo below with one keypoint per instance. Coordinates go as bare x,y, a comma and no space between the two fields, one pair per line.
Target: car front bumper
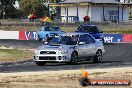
51,58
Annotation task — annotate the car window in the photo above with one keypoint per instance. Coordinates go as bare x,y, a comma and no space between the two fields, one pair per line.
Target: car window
89,39
56,28
52,28
82,38
79,28
95,29
46,29
63,40
90,29
42,29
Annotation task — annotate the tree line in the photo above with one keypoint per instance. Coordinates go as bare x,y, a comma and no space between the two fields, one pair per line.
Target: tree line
26,7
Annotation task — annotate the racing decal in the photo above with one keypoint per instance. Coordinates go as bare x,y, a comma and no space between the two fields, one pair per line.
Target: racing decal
31,35
109,38
27,35
22,35
127,38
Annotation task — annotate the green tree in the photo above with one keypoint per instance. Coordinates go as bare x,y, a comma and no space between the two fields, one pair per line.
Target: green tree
51,1
13,13
33,6
7,3
6,6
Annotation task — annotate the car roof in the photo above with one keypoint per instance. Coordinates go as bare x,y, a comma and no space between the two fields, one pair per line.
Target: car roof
50,26
73,33
90,25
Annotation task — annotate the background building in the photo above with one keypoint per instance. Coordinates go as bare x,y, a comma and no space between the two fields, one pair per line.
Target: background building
97,10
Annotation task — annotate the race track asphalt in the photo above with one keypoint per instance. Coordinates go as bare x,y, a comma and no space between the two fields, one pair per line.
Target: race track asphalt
117,55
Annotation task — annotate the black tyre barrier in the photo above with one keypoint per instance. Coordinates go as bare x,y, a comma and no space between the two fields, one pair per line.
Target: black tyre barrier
85,81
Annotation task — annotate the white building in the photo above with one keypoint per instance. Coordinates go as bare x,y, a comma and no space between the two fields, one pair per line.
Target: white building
97,10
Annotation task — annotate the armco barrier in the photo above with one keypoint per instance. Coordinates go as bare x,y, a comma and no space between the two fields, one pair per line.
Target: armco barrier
9,34
109,38
27,35
31,35
127,38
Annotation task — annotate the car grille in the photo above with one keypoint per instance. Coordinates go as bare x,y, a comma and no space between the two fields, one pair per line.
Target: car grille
47,52
47,58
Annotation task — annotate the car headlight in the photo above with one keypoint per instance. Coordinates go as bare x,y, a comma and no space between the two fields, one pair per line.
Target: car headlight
36,52
63,51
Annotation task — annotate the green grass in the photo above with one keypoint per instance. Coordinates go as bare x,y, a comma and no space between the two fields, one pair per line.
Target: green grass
11,55
119,29
17,28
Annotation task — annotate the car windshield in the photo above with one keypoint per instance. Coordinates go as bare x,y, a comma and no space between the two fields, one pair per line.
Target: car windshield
67,40
51,28
90,29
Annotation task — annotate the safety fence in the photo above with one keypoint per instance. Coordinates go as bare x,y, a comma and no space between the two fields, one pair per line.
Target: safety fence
31,35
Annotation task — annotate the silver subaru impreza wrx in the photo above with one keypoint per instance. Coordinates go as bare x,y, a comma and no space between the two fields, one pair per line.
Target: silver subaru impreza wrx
71,48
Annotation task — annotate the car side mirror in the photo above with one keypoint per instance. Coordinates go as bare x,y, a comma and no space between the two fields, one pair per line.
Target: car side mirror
81,43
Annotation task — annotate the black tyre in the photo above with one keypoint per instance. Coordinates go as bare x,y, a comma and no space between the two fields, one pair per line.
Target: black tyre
98,57
74,58
39,63
84,81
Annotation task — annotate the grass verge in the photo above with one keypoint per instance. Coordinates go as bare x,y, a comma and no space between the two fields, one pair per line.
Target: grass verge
12,55
119,29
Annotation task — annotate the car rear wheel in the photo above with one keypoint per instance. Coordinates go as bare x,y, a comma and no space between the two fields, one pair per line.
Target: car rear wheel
74,58
98,57
39,63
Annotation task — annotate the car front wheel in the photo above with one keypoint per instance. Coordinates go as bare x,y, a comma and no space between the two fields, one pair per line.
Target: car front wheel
98,57
74,58
39,63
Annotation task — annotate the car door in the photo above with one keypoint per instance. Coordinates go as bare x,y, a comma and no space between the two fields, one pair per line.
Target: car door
82,50
91,45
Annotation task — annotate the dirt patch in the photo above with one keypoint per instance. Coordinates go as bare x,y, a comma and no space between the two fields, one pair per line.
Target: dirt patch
62,79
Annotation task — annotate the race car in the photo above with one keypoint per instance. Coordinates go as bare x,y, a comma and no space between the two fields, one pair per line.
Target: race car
70,48
93,30
46,33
